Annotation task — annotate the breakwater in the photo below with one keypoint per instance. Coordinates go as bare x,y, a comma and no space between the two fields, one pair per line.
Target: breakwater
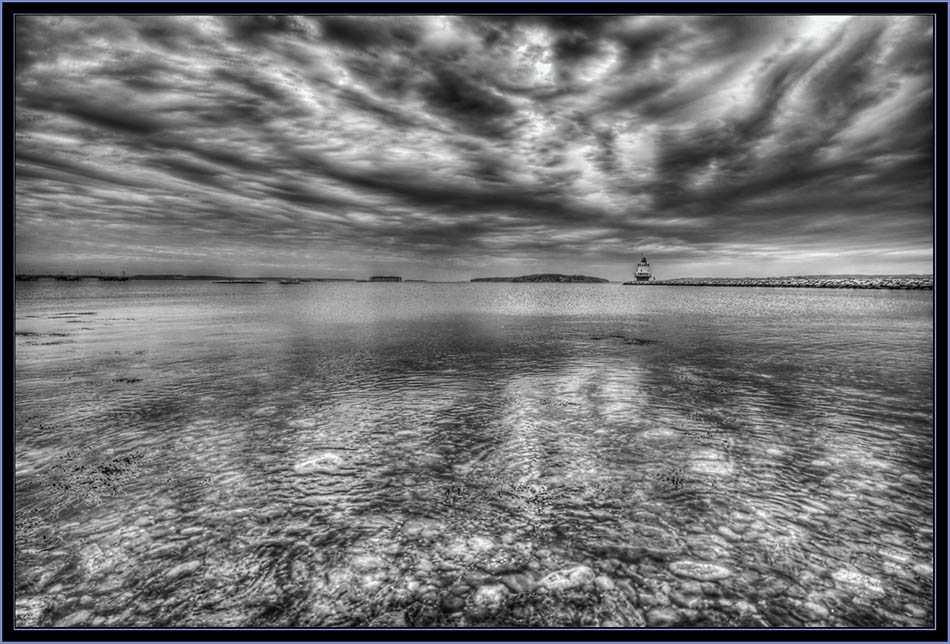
906,283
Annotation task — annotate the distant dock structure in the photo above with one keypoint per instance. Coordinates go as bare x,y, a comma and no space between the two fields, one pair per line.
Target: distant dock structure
385,278
122,277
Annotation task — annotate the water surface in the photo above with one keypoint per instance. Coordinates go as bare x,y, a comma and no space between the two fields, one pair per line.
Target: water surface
346,454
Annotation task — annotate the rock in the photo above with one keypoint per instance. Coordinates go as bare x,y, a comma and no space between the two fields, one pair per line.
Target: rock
915,611
660,433
460,589
628,591
685,601
649,599
898,555
691,587
568,578
503,562
424,528
487,600
165,550
192,531
662,617
481,544
78,618
710,589
728,534
452,603
182,569
703,571
457,549
475,579
815,611
611,565
392,619
715,468
86,601
858,582
924,570
366,562
604,583
325,463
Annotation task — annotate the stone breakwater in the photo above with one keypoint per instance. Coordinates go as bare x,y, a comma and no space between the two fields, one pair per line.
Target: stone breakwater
904,283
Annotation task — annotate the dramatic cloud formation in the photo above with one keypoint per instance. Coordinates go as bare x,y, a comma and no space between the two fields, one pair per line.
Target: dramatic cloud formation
453,147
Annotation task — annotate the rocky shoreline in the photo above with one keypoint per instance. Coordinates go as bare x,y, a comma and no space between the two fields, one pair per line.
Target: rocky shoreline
915,283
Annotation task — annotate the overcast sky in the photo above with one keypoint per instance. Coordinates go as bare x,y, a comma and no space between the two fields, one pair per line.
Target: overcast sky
457,147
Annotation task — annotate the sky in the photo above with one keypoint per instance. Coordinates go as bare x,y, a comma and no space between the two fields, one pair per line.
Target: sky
453,147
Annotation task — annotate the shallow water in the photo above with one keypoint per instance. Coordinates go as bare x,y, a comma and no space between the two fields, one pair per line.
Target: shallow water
345,454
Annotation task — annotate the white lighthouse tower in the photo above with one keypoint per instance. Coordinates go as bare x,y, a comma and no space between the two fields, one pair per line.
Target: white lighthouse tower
643,273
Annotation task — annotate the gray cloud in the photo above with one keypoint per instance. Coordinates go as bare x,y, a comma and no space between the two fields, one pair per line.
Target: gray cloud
534,143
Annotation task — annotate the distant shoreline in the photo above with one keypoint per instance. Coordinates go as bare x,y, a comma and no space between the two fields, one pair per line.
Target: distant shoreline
914,283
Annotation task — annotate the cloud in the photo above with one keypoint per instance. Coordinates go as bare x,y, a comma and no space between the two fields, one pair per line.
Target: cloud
531,139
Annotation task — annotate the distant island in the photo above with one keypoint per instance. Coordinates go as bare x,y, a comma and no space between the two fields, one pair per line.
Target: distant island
546,277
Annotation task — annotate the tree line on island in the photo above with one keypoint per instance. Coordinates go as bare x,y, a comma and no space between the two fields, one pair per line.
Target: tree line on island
545,277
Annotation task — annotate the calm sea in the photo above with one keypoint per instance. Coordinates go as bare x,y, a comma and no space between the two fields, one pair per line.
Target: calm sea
347,454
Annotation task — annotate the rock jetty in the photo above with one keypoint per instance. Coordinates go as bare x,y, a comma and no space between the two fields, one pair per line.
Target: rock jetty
911,282
545,277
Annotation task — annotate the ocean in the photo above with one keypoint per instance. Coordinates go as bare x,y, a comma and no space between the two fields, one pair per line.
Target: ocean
491,454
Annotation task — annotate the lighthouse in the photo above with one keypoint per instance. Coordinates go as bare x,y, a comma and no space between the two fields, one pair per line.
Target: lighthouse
643,273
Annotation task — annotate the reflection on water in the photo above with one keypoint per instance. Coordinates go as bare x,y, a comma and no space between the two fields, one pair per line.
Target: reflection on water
190,454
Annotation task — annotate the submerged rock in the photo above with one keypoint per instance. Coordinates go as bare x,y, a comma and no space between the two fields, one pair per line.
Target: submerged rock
568,578
425,528
924,570
659,433
716,468
662,617
701,570
78,618
181,570
325,463
487,600
858,582
503,562
895,554
366,562
604,583
481,544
